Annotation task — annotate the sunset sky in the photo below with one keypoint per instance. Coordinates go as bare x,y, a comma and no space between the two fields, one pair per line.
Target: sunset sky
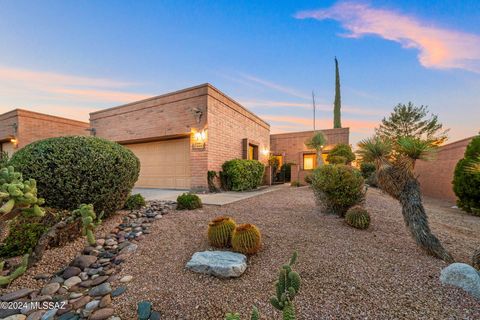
69,58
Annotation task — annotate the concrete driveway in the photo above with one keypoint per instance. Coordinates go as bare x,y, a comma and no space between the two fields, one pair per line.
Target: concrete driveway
218,199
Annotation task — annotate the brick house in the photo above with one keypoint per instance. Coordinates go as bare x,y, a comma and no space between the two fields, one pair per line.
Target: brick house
180,136
290,148
21,127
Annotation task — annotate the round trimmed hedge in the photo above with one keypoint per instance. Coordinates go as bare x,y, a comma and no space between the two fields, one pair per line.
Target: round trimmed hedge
73,170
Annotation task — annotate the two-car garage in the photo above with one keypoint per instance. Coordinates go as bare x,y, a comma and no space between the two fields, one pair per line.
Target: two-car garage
164,164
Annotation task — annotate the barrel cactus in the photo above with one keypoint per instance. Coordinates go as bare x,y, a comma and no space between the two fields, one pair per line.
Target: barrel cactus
246,238
18,196
89,221
220,231
358,217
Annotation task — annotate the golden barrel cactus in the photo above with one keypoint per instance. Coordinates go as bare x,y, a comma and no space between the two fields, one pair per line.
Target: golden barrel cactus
220,231
246,238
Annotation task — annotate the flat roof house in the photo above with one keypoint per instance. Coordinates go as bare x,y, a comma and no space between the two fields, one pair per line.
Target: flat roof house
20,127
180,136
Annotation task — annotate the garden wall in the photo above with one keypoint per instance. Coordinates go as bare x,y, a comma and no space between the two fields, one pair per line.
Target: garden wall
436,176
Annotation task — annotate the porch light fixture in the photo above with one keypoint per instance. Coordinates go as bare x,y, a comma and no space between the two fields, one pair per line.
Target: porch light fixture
200,136
14,141
265,151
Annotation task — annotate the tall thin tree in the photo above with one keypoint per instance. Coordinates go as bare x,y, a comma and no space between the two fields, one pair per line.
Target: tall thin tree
338,101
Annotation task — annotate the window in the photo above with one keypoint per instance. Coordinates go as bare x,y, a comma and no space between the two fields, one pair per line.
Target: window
309,161
252,152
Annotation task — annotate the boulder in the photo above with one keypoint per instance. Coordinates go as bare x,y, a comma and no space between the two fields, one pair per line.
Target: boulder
71,272
463,276
223,264
84,261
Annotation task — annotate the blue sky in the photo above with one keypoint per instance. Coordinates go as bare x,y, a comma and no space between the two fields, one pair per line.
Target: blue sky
69,58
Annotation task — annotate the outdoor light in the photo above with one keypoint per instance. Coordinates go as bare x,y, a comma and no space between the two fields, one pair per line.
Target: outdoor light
265,151
200,136
14,141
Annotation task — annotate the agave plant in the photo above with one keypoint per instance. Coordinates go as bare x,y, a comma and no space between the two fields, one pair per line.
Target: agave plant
395,175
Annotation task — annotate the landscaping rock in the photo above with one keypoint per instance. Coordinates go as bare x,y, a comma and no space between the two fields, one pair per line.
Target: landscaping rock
71,272
99,280
224,264
50,289
463,276
49,315
126,279
144,310
16,317
37,315
8,312
155,315
102,314
105,301
70,282
118,291
16,294
68,316
84,261
80,302
100,290
92,305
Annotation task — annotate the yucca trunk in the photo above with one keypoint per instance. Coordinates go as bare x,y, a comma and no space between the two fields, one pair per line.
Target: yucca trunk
319,158
400,183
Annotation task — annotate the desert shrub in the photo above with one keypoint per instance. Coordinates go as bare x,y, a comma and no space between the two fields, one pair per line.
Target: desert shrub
241,174
337,160
4,158
246,238
220,231
188,201
338,187
466,183
372,180
341,150
295,184
134,202
211,175
367,168
73,170
358,217
308,179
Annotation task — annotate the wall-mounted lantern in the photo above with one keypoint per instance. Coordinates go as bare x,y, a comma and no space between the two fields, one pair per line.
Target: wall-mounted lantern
199,139
265,151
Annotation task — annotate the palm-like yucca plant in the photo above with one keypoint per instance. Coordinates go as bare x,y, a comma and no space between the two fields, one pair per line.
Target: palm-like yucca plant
317,142
395,175
474,166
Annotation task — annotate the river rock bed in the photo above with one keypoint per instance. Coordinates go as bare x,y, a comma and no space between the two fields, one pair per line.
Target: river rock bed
83,289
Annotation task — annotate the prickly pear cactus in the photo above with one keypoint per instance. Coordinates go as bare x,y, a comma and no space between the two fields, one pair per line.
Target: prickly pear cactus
246,238
357,217
18,196
5,280
89,221
220,231
287,287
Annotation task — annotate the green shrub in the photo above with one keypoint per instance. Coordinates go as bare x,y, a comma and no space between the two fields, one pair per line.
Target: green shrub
295,184
338,187
211,175
341,150
23,236
337,160
241,174
286,168
308,179
188,201
357,217
372,180
73,170
367,168
134,202
4,158
466,183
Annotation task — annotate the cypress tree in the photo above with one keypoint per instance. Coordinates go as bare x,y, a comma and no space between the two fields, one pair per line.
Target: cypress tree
337,103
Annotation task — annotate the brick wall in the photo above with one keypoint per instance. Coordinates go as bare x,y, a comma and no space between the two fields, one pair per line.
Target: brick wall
436,176
228,125
292,144
33,126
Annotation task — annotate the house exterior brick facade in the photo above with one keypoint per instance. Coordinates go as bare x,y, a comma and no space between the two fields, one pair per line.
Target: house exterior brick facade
436,176
291,147
26,127
181,114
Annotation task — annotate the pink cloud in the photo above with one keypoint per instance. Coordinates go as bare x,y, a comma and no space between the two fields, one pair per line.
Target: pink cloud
438,47
102,95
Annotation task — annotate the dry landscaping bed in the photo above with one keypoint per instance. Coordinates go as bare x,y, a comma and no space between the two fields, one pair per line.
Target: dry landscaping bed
347,273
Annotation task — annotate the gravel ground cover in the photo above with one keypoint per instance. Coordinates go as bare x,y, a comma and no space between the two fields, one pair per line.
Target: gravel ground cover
347,273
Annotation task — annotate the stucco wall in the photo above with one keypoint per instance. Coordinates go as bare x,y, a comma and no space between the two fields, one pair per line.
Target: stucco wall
436,176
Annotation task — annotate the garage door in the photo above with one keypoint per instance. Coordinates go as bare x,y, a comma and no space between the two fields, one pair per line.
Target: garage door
8,148
164,164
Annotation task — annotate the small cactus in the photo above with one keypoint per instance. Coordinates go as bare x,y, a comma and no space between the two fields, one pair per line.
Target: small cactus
220,231
5,280
18,196
357,217
476,259
287,287
89,221
246,238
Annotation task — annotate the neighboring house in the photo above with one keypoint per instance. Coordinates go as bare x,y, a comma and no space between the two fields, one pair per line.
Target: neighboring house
436,176
178,136
21,127
290,148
